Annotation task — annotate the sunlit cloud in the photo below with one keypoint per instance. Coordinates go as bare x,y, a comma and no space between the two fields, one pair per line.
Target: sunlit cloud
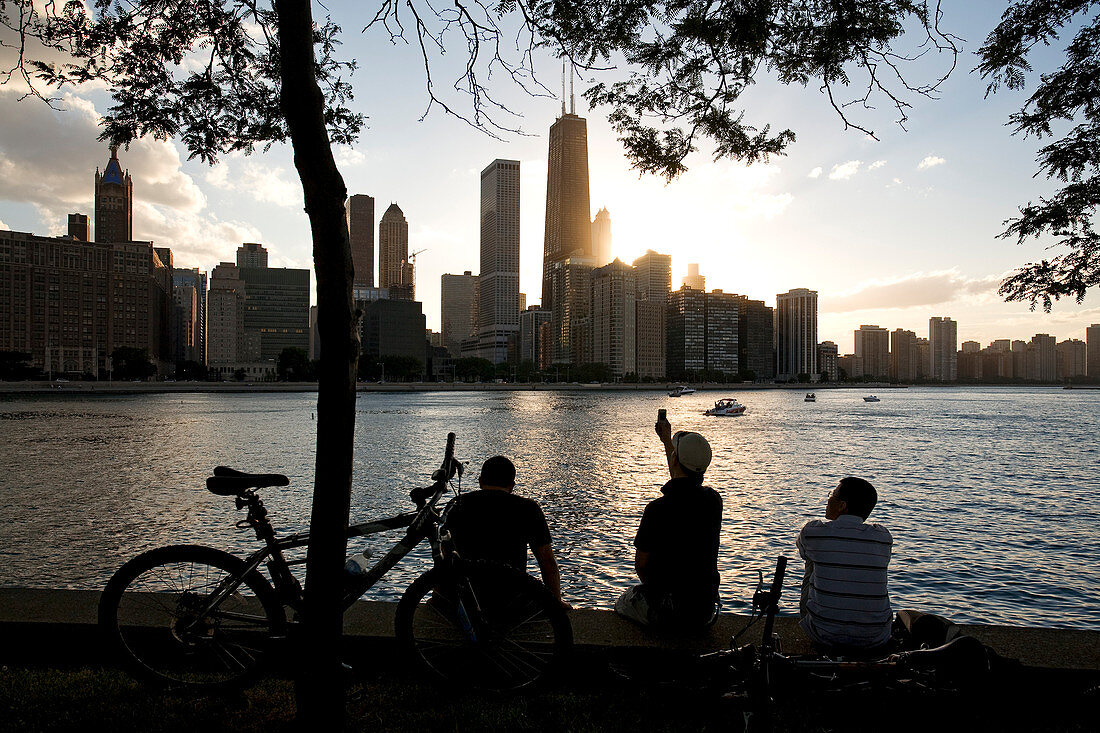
844,171
907,291
3,225
930,162
876,164
816,172
348,157
266,184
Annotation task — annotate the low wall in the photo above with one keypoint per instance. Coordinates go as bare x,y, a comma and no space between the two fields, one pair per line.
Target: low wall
58,626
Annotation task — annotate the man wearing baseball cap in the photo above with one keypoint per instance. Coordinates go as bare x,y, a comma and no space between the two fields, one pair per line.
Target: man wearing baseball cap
676,548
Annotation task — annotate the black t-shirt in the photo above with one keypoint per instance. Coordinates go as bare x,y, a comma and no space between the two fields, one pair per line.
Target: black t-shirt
680,532
490,524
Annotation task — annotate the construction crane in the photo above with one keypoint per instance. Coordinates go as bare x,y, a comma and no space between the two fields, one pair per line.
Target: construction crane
410,281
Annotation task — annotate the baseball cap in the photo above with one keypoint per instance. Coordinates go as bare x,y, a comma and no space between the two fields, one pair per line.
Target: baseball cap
692,450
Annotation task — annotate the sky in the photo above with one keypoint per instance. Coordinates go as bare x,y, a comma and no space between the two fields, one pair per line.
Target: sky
888,231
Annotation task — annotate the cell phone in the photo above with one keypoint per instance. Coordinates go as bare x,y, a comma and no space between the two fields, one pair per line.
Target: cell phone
661,414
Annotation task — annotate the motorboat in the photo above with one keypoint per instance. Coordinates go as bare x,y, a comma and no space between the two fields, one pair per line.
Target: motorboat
810,397
681,391
726,408
871,398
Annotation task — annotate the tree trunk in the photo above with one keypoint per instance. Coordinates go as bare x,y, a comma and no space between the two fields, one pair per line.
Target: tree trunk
320,689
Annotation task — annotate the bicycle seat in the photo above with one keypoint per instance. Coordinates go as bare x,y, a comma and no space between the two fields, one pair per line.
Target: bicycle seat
227,481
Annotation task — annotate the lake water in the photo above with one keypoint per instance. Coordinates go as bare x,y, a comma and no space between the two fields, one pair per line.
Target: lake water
991,494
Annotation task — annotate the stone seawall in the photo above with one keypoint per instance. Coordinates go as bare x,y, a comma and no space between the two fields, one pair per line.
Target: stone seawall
59,626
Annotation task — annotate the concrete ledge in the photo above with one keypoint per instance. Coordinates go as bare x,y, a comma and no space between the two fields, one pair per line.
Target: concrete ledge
60,625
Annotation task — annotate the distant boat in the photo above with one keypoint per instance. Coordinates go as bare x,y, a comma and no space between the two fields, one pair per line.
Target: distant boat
726,408
681,391
810,397
871,398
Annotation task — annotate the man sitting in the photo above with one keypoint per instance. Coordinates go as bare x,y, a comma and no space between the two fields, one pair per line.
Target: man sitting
676,548
845,602
495,524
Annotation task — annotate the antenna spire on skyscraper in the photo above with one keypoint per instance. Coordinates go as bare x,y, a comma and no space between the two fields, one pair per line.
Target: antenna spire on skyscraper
563,86
572,105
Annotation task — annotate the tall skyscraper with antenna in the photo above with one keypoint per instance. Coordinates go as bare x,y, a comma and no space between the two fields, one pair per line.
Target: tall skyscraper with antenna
568,208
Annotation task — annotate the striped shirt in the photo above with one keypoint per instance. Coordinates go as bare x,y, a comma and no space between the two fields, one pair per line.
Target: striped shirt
845,601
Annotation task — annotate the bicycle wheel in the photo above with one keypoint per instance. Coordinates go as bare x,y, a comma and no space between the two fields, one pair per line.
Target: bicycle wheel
483,625
160,612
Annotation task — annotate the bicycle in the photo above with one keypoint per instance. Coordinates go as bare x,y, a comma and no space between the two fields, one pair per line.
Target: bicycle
758,675
198,617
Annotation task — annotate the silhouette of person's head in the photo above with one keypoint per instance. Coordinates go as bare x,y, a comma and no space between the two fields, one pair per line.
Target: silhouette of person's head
498,473
851,496
692,453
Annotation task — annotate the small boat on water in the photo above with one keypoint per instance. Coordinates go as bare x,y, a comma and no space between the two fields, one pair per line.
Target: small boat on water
681,391
810,397
726,408
871,398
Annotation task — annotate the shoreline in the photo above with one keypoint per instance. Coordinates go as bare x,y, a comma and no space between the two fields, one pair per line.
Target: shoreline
131,388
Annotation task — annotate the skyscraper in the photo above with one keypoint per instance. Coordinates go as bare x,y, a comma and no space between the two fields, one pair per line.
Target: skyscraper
686,329
796,333
251,254
457,294
114,202
653,276
828,356
498,284
571,315
756,339
904,356
194,279
613,317
1092,346
872,344
359,211
721,328
943,349
693,279
1041,358
568,230
394,271
531,331
1072,354
601,237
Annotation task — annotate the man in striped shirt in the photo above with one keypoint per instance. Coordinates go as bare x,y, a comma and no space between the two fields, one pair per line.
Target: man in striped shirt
845,602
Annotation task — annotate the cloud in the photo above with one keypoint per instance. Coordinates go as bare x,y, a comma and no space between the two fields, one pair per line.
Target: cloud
3,225
908,291
814,173
876,164
930,161
844,171
266,184
48,157
348,157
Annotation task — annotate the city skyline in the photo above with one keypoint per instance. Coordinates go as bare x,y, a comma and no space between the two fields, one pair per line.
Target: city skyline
887,232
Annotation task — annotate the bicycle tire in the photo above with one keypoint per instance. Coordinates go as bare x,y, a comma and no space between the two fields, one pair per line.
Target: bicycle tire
515,634
149,615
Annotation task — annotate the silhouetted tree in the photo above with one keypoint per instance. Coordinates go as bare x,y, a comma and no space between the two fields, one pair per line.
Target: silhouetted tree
294,365
470,368
1063,106
267,73
16,365
189,369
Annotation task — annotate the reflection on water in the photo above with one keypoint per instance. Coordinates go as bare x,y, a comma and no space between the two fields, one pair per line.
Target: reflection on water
990,493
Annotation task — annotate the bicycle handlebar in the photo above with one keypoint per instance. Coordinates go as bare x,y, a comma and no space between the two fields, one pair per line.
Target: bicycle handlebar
772,600
440,476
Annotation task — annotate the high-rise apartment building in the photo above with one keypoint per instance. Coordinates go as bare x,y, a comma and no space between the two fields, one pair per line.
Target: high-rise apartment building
653,277
498,284
70,303
720,350
756,339
1041,359
686,333
394,270
614,325
1092,346
943,348
1072,356
796,333
359,212
457,293
277,308
251,254
227,342
872,344
828,360
114,202
568,231
693,279
924,358
601,238
904,355
531,322
571,314
193,346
